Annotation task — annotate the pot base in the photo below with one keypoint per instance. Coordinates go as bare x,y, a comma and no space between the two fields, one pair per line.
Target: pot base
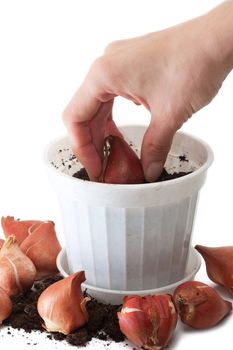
115,297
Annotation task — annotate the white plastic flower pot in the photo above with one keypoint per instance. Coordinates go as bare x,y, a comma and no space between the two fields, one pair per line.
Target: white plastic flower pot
130,237
115,297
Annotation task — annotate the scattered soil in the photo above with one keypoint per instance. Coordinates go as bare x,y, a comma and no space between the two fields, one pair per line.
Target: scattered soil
183,158
165,176
102,324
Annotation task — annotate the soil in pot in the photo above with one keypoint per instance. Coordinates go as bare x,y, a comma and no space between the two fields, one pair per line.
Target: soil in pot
165,176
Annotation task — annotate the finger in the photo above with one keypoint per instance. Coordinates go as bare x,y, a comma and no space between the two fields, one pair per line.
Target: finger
82,107
84,149
99,125
155,147
86,117
76,118
112,129
87,137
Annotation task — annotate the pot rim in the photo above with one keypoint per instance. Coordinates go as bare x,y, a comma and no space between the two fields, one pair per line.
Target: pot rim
162,184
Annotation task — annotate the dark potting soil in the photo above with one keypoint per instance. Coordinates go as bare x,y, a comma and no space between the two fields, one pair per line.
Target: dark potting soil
82,174
102,324
165,176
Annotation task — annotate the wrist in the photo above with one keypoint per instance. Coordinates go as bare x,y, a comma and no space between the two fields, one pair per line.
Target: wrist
219,31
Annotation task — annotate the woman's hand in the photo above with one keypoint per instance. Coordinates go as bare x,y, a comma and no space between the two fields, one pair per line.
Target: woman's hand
173,73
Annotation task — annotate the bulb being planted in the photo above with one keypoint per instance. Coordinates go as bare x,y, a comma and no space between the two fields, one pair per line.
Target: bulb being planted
63,306
148,321
219,264
17,271
199,305
121,164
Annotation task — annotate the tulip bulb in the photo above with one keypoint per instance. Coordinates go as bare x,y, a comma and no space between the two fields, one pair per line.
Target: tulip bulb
1,242
62,305
219,264
42,247
17,271
149,321
199,305
20,229
5,305
121,164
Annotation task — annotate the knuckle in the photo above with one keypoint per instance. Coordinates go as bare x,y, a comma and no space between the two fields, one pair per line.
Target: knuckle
65,115
101,64
112,46
104,69
69,116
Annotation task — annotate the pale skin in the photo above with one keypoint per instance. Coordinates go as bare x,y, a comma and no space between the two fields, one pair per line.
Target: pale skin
173,73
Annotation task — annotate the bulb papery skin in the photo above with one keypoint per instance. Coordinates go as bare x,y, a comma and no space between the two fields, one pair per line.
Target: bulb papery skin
5,305
219,264
199,305
42,247
62,305
1,242
149,321
17,271
121,164
21,229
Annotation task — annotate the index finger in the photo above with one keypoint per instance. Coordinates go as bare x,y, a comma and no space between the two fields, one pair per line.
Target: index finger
77,115
88,119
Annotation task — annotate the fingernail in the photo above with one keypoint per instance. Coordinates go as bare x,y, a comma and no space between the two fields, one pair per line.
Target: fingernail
153,171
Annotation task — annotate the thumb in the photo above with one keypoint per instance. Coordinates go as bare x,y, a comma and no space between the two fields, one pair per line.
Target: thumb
155,147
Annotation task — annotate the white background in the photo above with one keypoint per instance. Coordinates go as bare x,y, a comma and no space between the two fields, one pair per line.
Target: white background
46,48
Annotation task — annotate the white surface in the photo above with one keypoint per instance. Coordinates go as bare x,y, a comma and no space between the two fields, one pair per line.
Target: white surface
39,341
46,49
184,337
115,297
130,237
